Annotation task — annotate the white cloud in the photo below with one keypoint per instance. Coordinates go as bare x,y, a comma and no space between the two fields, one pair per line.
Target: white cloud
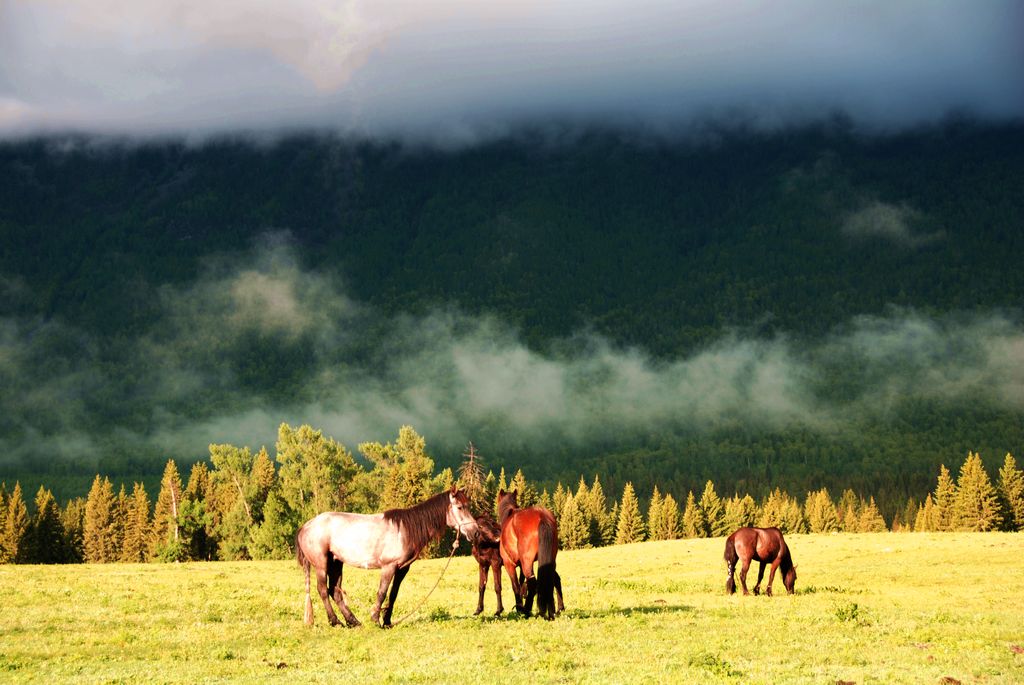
455,69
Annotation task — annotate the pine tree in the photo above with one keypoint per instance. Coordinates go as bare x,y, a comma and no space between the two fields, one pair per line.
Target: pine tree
558,499
15,527
274,537
262,481
944,500
45,541
655,527
119,522
3,518
98,534
73,520
472,480
670,517
167,511
138,528
976,506
572,525
739,512
906,523
926,520
694,525
871,520
602,529
714,512
820,512
527,493
631,524
849,511
1011,494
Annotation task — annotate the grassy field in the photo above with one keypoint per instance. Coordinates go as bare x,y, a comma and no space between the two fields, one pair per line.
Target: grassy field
885,608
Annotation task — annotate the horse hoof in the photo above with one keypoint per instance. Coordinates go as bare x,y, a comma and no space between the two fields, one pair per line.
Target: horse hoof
499,612
478,611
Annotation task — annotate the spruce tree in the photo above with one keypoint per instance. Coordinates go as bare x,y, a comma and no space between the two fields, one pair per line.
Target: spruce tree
849,511
73,520
694,525
926,520
138,528
527,493
45,540
655,528
820,512
262,480
670,517
976,507
558,499
908,516
870,520
739,512
3,517
15,527
99,534
714,512
1011,494
631,524
572,525
944,500
166,532
275,535
602,531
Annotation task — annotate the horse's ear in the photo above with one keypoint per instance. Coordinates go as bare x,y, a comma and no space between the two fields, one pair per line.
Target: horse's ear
454,489
501,492
515,493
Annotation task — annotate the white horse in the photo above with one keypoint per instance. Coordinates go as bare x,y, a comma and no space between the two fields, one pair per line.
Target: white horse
390,541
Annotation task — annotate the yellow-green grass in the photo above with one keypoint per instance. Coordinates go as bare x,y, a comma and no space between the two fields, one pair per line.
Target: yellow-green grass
886,608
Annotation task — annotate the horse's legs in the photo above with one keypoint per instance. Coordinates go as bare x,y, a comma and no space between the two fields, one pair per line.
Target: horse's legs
334,571
529,588
510,568
558,589
771,576
482,586
321,587
760,575
496,572
743,575
386,574
395,584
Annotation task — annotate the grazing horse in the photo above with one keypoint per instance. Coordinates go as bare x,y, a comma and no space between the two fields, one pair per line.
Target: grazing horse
390,541
764,545
529,535
487,555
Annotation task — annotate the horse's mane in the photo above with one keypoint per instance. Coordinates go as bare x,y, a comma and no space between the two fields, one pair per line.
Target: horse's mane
423,522
507,506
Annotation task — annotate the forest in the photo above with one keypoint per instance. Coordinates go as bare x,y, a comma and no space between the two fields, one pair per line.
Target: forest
798,309
248,506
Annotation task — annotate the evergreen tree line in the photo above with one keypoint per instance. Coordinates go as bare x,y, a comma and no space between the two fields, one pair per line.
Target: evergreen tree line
248,507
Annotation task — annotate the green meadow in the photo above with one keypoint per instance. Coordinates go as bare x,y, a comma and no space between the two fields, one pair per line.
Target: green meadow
869,608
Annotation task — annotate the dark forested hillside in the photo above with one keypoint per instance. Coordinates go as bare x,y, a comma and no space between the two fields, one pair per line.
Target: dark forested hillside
815,248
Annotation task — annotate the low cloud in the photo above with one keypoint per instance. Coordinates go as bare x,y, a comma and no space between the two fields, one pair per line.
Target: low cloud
359,374
893,223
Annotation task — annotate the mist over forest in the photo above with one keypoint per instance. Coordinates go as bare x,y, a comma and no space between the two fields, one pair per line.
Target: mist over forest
809,306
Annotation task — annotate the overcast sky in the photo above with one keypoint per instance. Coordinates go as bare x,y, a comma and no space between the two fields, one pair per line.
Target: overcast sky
460,69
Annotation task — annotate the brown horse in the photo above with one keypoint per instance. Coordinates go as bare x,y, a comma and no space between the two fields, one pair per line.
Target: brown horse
529,535
485,550
390,541
764,545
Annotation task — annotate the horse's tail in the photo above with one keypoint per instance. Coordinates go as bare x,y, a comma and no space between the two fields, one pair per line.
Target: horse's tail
300,557
730,565
547,543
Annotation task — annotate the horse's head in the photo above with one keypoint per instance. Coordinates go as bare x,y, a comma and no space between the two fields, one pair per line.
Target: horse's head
459,516
507,503
789,579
